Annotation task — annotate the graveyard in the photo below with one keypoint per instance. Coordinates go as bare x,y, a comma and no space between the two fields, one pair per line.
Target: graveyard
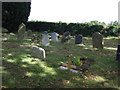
63,44
21,70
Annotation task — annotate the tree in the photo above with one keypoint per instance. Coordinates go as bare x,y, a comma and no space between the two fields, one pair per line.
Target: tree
14,13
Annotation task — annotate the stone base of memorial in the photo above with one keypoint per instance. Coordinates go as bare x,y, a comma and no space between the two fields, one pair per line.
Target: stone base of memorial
86,63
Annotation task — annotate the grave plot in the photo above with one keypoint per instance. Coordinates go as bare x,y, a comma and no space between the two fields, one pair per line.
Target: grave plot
80,65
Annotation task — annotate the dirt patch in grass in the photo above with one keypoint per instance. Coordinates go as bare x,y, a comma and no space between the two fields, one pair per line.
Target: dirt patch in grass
10,44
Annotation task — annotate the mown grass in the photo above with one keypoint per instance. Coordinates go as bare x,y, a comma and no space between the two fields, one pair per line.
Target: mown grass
21,70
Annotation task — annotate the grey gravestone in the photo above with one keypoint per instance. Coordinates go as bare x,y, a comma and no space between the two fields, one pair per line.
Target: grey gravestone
38,52
78,39
3,34
4,30
97,40
54,37
45,39
29,33
118,53
65,37
21,31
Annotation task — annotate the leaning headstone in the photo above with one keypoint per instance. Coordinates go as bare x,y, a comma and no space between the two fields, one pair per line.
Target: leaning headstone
45,39
21,31
65,37
38,52
97,40
118,53
78,39
54,37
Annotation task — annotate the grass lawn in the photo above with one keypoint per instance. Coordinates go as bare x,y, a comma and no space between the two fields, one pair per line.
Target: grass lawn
21,70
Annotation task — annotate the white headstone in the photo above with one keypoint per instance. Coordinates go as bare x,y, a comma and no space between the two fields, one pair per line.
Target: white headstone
54,37
38,52
45,40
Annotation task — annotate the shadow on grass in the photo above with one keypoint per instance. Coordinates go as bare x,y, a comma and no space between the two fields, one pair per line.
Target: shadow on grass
20,70
34,76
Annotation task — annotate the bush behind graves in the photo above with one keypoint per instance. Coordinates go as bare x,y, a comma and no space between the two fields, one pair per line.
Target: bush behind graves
86,29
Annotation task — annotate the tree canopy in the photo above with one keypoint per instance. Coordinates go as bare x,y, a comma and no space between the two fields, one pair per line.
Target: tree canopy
14,13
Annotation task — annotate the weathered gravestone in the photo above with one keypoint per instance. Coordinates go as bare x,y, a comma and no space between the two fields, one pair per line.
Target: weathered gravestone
3,34
29,33
4,30
65,37
21,31
78,39
38,52
97,40
45,38
118,53
54,37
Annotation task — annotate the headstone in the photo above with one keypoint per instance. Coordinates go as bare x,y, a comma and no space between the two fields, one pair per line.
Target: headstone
54,37
97,40
118,53
45,39
65,37
29,33
38,52
4,30
21,31
78,39
3,34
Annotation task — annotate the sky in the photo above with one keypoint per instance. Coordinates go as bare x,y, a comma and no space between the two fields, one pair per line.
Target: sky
74,10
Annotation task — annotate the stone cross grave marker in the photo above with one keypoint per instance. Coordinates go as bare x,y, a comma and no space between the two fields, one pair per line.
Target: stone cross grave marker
97,40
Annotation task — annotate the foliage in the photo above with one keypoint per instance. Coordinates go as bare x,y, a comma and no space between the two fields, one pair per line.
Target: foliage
21,70
86,29
76,61
14,13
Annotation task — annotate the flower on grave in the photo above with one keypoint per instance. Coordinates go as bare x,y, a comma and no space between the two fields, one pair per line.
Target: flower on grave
76,61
